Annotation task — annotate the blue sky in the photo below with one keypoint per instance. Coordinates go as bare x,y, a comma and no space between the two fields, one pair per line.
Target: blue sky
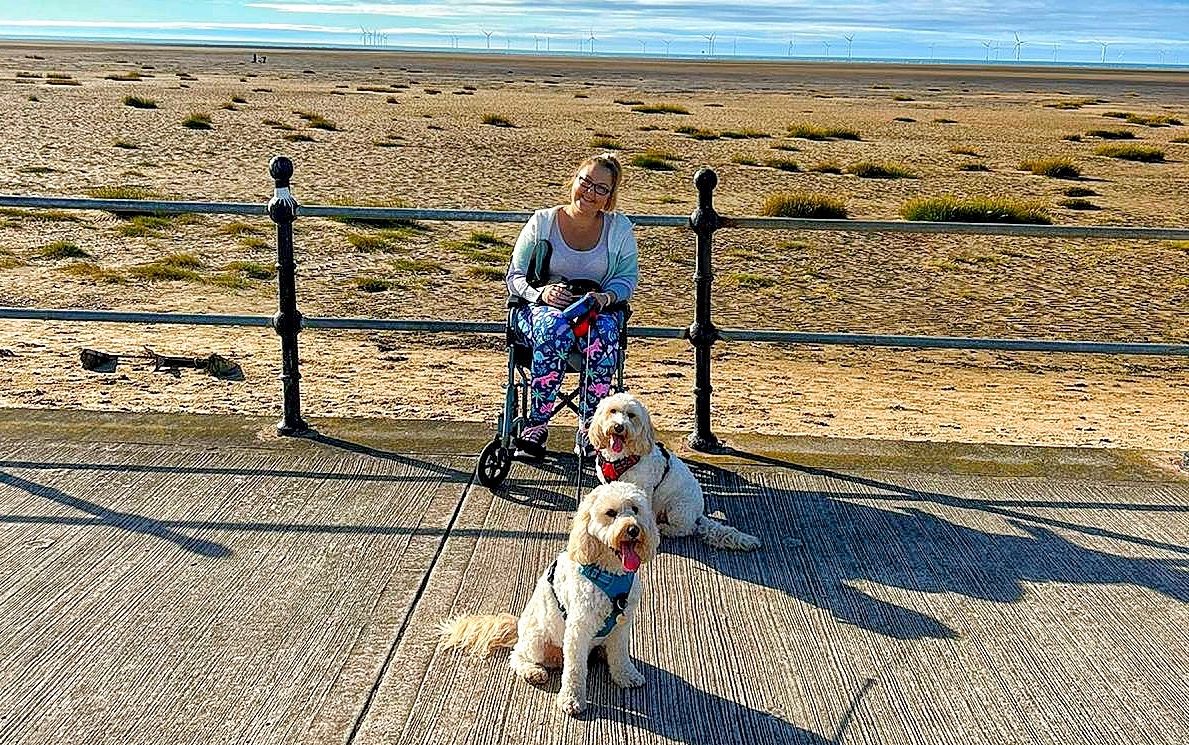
1132,32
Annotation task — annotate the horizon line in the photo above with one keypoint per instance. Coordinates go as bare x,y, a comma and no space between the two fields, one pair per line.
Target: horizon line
571,54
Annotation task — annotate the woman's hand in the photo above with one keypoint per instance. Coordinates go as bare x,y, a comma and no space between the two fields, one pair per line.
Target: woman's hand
556,295
604,299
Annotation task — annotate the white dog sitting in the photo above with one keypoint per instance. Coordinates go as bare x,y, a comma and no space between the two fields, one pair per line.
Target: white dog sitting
587,598
626,449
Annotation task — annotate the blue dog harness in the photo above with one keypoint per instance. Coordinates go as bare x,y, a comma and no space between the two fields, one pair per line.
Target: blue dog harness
616,587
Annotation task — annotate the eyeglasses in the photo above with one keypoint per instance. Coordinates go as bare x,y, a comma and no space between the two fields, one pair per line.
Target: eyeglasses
601,189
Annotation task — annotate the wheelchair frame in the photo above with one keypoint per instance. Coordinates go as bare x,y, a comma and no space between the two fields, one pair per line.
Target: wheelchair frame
495,460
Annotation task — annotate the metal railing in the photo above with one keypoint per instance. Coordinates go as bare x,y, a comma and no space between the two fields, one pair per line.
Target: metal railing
288,322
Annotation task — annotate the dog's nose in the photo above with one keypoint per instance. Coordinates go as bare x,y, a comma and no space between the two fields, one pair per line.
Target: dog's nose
633,531
618,428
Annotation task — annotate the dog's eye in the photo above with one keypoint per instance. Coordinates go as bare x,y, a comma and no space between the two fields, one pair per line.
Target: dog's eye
612,514
631,415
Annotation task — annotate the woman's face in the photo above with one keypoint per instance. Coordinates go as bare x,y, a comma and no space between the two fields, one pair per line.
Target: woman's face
591,188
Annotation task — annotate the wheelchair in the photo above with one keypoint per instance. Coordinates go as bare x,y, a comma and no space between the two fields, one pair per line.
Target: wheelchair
495,460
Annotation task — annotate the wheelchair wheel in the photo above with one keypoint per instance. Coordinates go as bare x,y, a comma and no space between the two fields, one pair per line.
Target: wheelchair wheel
495,461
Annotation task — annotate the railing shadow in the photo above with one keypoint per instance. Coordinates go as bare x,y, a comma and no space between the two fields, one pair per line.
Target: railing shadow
841,541
103,516
677,710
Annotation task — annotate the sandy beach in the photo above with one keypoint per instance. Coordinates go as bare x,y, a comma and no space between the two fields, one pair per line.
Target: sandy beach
503,132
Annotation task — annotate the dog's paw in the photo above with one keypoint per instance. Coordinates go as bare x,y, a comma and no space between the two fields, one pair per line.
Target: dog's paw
748,543
534,674
570,704
629,677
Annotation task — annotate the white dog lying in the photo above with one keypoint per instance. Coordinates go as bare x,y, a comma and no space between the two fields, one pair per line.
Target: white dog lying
627,450
587,598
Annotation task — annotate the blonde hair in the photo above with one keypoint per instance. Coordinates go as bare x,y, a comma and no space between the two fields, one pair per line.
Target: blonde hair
610,163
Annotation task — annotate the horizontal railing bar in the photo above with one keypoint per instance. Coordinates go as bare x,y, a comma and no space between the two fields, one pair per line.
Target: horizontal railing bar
904,226
954,342
639,332
136,205
112,316
670,221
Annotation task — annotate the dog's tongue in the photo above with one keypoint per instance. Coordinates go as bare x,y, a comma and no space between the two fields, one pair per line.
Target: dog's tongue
631,560
616,444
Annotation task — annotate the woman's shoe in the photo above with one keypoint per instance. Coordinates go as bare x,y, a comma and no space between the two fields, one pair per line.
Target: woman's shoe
530,444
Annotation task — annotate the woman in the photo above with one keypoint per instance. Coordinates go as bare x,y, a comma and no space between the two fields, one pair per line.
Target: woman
561,253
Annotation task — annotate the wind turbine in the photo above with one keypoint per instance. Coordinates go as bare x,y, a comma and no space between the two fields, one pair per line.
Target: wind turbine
792,44
987,44
826,44
1056,48
849,38
1019,44
488,35
1104,46
710,43
643,47
667,43
454,41
536,43
592,41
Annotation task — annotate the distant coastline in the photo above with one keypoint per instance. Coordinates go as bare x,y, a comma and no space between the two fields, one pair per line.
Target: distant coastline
1030,67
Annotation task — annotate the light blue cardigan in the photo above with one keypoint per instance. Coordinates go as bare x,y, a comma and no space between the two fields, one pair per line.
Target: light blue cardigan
623,270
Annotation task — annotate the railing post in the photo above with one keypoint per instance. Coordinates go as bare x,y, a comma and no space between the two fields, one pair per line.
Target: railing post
702,333
282,209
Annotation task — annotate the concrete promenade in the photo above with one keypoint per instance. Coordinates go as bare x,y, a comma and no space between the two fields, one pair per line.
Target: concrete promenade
193,579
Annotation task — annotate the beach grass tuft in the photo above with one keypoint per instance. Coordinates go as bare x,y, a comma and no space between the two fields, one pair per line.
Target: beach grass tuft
870,169
744,134
807,131
751,280
1112,134
252,269
122,191
484,247
978,209
198,120
174,267
317,121
1052,167
697,133
63,250
660,108
91,271
783,164
374,284
138,102
496,120
1142,153
655,160
803,204
1078,204
144,226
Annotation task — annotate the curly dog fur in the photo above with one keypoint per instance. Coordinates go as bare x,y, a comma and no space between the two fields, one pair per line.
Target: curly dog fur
614,532
622,429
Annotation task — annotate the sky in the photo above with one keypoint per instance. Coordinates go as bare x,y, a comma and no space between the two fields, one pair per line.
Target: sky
1127,32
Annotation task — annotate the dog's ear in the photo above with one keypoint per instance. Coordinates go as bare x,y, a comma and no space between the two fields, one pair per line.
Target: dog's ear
647,439
597,431
650,538
584,548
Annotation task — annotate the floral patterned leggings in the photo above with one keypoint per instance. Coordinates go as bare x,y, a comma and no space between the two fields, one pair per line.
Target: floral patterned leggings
549,334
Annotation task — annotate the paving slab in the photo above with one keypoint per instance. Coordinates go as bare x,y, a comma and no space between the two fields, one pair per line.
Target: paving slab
193,579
